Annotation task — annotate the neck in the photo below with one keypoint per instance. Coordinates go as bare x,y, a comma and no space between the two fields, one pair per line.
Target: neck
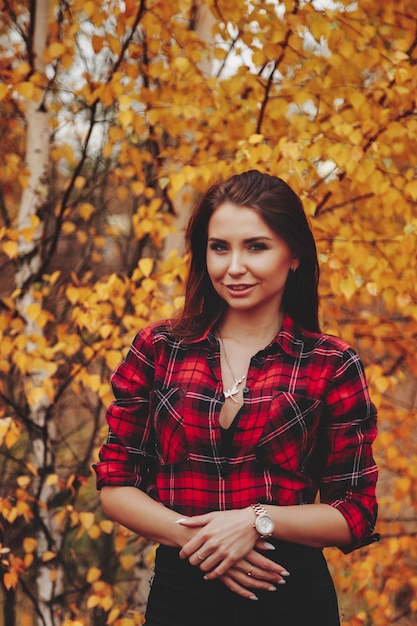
235,326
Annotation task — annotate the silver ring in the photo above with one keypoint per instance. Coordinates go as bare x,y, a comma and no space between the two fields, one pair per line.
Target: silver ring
250,571
200,557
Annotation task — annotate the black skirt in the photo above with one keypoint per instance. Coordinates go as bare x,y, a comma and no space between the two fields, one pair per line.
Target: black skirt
180,596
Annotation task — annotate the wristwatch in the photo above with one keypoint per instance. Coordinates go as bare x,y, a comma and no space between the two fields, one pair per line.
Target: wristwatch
264,523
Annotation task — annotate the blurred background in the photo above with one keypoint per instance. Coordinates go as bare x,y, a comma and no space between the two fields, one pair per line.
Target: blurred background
114,117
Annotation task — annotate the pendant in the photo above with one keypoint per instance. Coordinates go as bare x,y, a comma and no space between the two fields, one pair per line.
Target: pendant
231,392
234,390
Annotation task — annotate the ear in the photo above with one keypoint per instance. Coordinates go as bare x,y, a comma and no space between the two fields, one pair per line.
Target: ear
295,264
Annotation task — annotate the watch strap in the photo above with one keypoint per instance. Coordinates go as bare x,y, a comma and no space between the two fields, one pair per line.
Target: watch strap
259,509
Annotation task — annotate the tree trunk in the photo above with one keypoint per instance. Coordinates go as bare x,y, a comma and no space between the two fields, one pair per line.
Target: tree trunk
33,199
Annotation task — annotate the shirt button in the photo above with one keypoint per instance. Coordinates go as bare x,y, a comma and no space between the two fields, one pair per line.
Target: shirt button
245,389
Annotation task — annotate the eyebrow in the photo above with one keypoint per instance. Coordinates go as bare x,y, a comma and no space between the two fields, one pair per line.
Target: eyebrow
248,240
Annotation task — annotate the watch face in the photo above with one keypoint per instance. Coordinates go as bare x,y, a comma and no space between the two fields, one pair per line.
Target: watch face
264,525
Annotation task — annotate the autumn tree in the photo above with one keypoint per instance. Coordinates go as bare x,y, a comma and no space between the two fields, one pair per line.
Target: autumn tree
114,118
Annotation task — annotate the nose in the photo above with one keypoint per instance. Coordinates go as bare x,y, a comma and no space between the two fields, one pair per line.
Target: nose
236,265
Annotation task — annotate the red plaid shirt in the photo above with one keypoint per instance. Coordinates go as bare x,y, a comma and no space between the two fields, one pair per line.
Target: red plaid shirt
307,425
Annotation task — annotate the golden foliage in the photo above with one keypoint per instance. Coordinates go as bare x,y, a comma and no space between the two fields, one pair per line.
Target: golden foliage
147,106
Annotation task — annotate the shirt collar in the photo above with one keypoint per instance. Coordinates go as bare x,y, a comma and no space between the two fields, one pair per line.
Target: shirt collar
289,338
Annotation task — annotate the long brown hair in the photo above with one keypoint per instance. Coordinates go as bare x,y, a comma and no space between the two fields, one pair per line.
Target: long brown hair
282,210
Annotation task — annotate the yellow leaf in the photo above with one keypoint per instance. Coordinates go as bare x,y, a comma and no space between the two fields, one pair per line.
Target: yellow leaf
220,53
25,89
181,64
93,574
120,543
32,469
125,101
86,210
92,602
54,51
48,556
72,294
403,484
127,561
80,182
33,311
93,381
28,560
106,603
86,519
106,330
89,8
381,383
68,228
411,189
113,615
11,249
357,99
35,395
255,138
348,287
52,479
126,117
113,358
97,43
3,91
107,526
23,481
372,597
94,532
29,544
146,266
10,580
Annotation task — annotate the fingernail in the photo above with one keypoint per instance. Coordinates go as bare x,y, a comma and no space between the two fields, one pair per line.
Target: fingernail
268,546
285,573
281,582
253,598
181,520
273,588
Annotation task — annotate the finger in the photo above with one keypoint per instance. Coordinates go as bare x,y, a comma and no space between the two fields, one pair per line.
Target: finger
264,545
196,520
238,588
265,564
261,579
212,564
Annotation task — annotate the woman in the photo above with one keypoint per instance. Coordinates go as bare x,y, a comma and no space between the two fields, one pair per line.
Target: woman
230,420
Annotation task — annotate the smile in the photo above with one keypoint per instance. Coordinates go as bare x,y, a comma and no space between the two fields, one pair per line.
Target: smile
238,287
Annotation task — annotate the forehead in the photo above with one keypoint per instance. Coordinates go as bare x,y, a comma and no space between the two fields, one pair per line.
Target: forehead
234,219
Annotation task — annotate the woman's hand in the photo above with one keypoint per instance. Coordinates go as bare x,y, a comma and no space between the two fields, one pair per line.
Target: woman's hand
222,538
223,546
253,573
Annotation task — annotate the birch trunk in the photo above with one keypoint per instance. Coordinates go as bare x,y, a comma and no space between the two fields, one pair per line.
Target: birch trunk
48,582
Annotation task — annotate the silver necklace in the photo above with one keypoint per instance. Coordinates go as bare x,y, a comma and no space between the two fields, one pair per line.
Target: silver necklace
237,381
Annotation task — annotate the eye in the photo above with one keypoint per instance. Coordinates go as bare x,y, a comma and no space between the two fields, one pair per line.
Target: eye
257,246
217,246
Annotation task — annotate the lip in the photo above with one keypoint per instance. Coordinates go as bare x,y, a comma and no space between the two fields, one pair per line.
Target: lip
238,289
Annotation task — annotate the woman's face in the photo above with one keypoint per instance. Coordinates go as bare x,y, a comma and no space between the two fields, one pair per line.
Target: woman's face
248,263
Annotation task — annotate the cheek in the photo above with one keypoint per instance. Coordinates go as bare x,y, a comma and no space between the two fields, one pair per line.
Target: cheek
214,266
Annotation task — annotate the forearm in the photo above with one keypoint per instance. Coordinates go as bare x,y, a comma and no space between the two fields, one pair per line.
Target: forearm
135,510
314,525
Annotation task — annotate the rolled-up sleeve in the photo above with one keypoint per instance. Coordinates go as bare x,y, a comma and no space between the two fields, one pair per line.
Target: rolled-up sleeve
128,454
349,472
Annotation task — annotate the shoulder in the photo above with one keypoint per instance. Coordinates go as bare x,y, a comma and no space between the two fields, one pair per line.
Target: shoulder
156,333
299,341
323,341
337,358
